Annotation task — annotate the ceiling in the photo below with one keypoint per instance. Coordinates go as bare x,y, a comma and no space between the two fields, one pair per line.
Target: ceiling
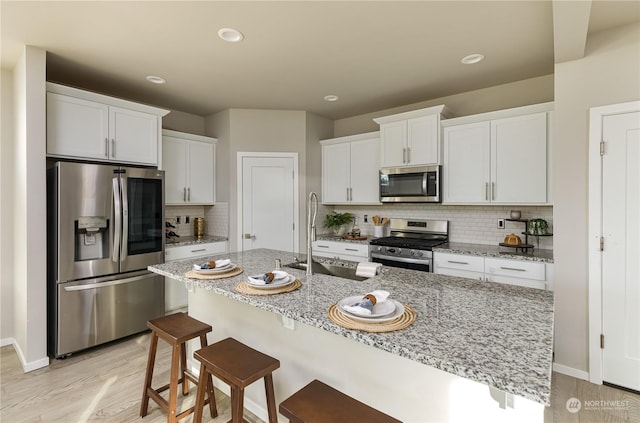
374,55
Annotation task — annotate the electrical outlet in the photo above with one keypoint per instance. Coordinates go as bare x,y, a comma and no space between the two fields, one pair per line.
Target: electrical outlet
178,220
500,223
366,218
186,219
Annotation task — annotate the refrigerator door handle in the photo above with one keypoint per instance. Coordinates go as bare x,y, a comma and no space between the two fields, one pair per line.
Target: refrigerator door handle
117,215
125,219
86,287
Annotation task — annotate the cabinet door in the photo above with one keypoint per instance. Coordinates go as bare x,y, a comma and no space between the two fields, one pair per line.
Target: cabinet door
365,171
133,136
200,168
393,143
174,161
335,173
519,159
77,128
422,141
466,167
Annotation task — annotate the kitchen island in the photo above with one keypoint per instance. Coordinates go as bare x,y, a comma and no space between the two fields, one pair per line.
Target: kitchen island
472,344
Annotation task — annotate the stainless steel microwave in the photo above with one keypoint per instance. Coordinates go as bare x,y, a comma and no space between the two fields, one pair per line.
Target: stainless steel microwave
410,185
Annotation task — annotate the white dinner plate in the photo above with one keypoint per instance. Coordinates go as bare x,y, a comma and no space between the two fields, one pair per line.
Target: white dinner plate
379,310
398,311
222,269
273,285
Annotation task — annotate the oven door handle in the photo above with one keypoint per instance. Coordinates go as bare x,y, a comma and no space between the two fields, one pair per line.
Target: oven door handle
401,259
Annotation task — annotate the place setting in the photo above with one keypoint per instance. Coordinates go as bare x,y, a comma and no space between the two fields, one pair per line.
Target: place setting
269,283
372,312
214,269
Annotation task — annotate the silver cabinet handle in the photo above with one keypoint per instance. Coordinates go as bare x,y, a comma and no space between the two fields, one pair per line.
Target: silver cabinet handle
486,191
513,268
404,155
184,194
106,147
113,147
351,249
189,194
493,190
347,194
350,194
408,155
322,246
200,250
457,262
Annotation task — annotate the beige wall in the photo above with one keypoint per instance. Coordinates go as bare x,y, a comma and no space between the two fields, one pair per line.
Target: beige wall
6,207
515,94
608,74
29,200
184,122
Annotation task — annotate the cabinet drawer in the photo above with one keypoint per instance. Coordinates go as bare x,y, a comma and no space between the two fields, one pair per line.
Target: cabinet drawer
460,273
459,262
336,247
193,251
515,269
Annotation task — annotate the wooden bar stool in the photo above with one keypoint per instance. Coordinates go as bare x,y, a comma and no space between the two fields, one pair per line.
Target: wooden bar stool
320,403
238,366
176,330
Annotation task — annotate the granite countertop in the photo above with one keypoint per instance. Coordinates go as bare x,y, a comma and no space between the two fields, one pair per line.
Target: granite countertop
192,240
499,335
545,256
331,237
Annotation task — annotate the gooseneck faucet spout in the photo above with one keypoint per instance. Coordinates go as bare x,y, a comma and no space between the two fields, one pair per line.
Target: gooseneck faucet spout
311,227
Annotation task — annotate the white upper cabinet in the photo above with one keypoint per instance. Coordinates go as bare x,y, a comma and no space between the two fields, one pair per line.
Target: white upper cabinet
189,164
411,138
350,167
85,125
498,158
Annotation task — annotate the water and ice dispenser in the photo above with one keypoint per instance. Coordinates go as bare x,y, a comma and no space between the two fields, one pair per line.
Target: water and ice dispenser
92,238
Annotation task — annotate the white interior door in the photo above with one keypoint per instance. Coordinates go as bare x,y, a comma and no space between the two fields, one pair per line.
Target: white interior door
621,254
268,203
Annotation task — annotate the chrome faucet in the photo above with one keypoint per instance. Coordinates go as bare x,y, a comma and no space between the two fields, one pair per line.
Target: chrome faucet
311,228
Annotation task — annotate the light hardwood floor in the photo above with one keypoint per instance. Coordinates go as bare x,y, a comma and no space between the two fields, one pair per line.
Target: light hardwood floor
105,384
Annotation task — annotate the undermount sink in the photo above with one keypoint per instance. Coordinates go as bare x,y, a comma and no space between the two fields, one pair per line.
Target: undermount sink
327,269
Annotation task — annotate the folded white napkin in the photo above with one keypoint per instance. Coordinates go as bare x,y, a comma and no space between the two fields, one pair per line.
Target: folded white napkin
365,306
367,269
268,277
219,263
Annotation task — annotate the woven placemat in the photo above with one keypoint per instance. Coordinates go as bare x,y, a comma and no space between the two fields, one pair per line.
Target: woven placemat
244,288
229,274
401,322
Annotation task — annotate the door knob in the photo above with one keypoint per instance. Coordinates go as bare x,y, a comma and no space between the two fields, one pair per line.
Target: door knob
248,236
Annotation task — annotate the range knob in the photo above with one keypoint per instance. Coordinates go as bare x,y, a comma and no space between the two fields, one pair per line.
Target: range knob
416,253
391,250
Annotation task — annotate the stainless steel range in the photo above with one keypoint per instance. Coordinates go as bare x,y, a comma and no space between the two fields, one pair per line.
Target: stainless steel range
410,244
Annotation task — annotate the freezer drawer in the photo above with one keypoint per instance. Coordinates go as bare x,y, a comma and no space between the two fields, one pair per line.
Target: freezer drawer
96,311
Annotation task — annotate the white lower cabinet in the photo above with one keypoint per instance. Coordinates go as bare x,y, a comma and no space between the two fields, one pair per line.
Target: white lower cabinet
341,250
531,274
175,292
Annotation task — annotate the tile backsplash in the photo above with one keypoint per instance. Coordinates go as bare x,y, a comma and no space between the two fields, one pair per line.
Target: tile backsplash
470,224
216,219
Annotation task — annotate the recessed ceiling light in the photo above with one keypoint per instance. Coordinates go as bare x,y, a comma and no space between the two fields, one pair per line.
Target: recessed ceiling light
472,59
331,97
156,79
231,35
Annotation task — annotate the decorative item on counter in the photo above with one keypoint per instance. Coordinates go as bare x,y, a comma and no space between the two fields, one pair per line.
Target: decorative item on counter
537,227
512,239
198,227
516,214
335,221
355,235
213,264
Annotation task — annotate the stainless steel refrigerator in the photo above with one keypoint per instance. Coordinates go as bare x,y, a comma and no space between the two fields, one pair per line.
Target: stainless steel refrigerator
105,226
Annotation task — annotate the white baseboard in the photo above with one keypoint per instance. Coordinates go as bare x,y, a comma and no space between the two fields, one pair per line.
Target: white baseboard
30,366
570,371
6,341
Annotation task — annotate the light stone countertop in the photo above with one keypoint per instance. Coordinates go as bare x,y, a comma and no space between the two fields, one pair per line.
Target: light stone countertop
545,256
192,240
499,335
